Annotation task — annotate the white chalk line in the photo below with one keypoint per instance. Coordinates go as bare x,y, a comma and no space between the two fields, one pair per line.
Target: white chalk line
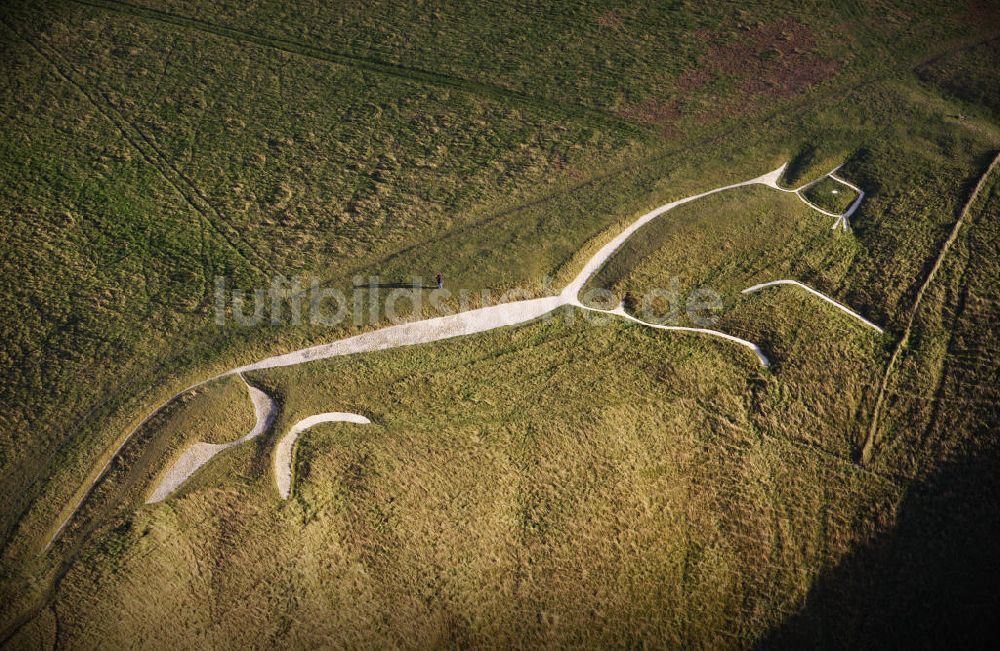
843,219
283,456
197,455
620,311
839,306
464,323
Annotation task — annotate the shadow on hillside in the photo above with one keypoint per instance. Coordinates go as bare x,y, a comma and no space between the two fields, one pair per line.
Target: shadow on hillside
396,285
798,165
932,581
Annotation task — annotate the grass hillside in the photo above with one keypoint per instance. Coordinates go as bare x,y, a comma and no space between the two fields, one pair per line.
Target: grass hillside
723,243
497,497
563,483
658,64
931,578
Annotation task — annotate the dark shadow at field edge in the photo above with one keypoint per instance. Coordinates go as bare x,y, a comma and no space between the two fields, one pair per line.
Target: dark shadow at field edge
933,581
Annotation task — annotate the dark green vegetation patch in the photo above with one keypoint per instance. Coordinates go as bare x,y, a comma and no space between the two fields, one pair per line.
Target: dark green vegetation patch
831,195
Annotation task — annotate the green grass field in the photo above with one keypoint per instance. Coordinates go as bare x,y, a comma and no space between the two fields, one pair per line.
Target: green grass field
579,481
623,494
830,195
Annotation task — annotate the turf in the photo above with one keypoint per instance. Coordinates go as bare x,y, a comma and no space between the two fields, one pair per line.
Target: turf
831,195
600,495
721,244
148,149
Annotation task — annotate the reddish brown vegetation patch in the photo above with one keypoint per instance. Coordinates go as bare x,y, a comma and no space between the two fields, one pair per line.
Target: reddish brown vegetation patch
651,112
694,79
791,82
776,56
771,60
982,12
612,18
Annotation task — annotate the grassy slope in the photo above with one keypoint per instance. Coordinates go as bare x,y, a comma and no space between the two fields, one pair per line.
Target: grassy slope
498,497
932,578
89,275
914,174
956,75
665,61
724,243
830,195
944,387
143,253
582,214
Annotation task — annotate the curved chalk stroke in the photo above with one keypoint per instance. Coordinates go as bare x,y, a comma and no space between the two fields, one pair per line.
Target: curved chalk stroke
842,218
199,454
283,451
620,311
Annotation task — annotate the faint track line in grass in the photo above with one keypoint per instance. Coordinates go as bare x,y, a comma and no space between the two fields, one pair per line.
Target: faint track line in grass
26,502
60,572
839,461
134,136
387,68
867,450
938,400
896,479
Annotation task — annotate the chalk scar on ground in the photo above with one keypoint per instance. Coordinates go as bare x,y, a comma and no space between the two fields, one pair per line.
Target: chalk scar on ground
439,328
201,453
283,457
446,327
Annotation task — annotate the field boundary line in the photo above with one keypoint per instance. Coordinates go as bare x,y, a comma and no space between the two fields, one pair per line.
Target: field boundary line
868,449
